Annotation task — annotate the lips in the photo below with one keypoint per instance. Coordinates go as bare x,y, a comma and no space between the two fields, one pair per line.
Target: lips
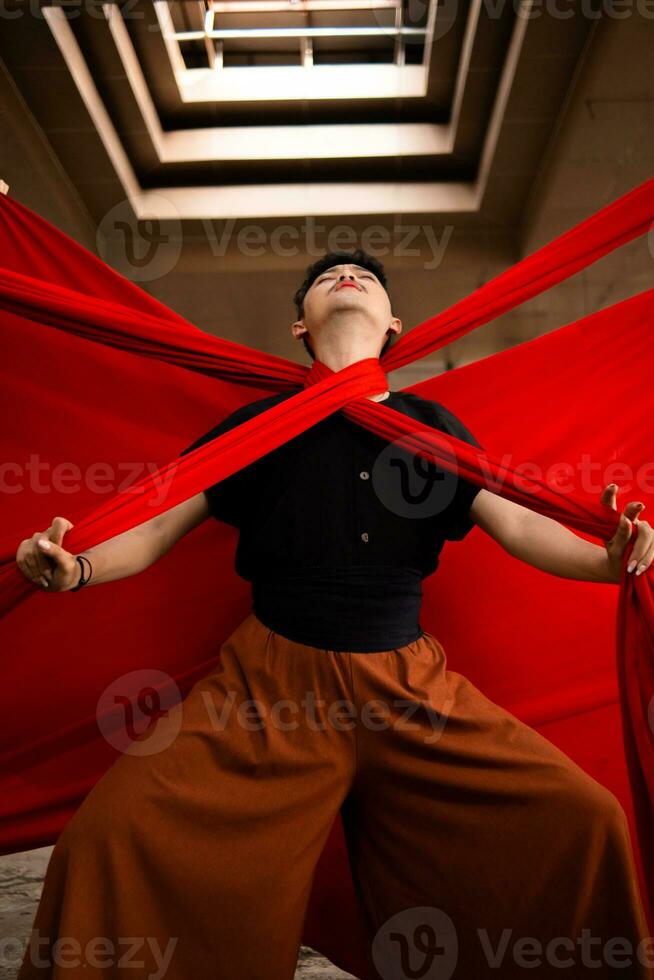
345,284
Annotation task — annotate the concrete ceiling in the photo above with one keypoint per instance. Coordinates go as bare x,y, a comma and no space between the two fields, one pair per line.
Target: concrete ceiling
115,106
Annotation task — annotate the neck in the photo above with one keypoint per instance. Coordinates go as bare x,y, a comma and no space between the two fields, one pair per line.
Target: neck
342,358
348,337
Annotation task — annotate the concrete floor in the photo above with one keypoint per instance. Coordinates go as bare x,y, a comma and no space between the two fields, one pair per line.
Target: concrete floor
21,879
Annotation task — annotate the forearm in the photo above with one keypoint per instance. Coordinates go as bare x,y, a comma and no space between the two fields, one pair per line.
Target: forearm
548,545
125,554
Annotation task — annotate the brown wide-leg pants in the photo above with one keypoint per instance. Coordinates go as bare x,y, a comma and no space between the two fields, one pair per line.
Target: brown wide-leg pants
478,849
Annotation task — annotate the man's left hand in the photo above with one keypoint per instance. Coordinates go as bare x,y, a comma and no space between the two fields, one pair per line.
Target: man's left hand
643,551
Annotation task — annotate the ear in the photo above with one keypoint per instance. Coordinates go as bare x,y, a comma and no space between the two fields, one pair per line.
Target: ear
298,329
395,325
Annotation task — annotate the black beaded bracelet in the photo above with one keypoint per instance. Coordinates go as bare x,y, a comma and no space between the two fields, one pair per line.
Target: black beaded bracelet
82,580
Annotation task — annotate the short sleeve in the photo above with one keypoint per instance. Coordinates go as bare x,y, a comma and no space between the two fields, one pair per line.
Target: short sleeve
457,518
226,498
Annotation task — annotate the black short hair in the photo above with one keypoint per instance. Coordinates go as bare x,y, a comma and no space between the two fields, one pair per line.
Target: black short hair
358,257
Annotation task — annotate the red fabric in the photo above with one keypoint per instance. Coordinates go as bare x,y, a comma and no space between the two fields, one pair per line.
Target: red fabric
97,372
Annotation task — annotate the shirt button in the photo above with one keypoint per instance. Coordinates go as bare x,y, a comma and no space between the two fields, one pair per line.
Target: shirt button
364,536
364,475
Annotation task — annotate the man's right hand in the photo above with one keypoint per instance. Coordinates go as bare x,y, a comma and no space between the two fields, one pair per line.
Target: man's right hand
48,564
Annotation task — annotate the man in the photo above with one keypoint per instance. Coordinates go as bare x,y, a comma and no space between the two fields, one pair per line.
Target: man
462,823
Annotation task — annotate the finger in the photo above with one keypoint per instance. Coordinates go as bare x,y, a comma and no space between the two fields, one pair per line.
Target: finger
40,577
59,527
41,562
52,550
633,509
645,560
30,567
623,532
34,576
609,494
643,544
36,557
26,559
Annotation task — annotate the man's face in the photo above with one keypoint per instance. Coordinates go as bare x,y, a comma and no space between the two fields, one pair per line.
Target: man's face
347,287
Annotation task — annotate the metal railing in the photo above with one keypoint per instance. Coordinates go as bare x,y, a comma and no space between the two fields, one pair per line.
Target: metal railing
214,37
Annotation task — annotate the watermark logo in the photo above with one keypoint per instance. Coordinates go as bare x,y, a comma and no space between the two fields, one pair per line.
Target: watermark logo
140,713
419,943
410,485
141,249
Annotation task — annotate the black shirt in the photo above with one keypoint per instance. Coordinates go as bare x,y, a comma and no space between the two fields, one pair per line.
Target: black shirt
338,527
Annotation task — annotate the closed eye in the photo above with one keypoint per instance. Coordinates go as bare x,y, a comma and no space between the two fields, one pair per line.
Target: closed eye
331,277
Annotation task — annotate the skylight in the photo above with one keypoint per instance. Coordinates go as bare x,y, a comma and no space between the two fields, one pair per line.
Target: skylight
330,48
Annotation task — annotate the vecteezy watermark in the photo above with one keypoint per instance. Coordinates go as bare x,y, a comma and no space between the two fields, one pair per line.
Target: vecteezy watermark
409,485
419,942
288,240
565,9
65,477
422,943
341,714
147,248
415,18
449,14
94,9
406,483
98,952
563,952
141,248
141,713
